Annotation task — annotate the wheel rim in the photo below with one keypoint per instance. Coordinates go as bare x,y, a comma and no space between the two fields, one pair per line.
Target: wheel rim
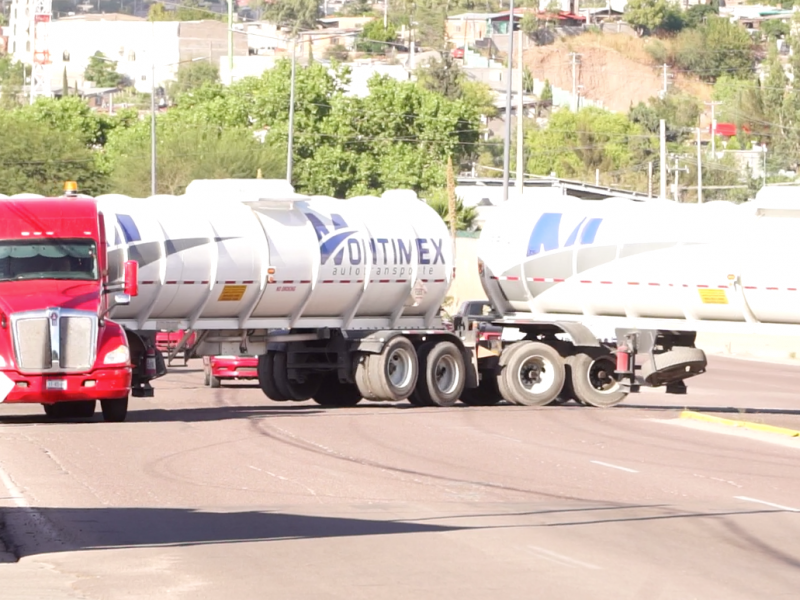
536,375
399,368
446,374
601,376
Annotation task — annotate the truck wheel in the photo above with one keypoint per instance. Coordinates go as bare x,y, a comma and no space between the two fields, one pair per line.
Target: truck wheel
266,377
115,410
486,394
361,376
214,382
206,377
334,393
534,374
591,380
293,390
441,377
392,374
673,365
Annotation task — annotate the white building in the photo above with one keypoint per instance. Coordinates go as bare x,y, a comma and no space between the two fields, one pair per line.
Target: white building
139,47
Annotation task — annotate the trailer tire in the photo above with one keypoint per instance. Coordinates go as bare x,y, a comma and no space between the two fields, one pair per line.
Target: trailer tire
266,377
115,410
534,374
671,365
486,394
590,379
293,390
441,373
393,373
361,376
335,394
416,399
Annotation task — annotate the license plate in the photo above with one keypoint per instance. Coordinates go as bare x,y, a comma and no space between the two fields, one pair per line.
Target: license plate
56,384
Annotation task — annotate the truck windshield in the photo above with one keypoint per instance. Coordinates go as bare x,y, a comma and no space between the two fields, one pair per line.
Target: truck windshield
48,259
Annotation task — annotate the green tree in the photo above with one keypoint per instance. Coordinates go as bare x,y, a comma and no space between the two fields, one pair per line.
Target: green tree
186,151
192,76
12,77
466,216
574,145
697,14
336,52
186,10
102,72
680,111
374,37
648,16
36,158
356,8
773,29
716,48
441,76
298,15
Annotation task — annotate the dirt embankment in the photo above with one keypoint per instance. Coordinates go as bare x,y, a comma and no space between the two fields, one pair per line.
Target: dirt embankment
618,79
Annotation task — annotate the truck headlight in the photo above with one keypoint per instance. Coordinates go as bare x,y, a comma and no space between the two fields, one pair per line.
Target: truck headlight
118,356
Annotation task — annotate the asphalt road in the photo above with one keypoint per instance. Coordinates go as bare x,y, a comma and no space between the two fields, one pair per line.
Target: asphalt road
223,494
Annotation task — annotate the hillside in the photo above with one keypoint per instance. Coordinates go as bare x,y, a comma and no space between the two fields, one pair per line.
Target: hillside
613,69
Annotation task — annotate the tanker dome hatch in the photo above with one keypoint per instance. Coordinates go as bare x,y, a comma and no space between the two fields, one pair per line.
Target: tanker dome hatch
244,190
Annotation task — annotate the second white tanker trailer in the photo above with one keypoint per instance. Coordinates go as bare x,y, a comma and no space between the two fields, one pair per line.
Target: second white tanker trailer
341,298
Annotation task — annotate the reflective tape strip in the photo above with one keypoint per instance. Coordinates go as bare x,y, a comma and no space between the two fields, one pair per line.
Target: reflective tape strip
647,283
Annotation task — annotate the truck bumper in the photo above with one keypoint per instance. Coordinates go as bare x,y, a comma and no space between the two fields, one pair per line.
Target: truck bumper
234,368
100,384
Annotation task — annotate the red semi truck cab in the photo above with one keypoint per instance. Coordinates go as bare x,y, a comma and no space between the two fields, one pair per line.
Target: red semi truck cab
57,348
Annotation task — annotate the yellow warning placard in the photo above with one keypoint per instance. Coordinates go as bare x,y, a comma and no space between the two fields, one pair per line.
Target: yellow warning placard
232,293
711,296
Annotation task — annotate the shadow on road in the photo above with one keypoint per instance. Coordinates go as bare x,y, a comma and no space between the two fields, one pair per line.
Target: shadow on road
106,528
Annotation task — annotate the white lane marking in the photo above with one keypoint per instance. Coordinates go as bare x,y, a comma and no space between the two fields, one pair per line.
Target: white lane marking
605,464
565,561
773,505
14,492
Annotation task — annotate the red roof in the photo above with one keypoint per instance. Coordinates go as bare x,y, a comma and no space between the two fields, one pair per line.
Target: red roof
727,129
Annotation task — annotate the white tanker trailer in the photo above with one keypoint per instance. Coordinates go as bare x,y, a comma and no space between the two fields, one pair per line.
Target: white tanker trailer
341,299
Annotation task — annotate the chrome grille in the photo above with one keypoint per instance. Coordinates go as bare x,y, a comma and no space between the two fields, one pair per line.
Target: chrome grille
55,340
76,342
33,344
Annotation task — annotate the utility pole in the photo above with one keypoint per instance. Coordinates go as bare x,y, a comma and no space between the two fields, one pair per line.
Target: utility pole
509,76
574,102
230,42
677,170
520,117
650,179
713,128
290,144
699,171
663,162
666,82
385,14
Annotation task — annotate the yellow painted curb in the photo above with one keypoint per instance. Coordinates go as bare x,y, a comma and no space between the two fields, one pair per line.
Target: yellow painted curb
688,414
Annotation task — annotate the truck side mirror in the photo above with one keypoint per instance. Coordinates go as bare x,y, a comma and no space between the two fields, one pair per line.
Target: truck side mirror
131,285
